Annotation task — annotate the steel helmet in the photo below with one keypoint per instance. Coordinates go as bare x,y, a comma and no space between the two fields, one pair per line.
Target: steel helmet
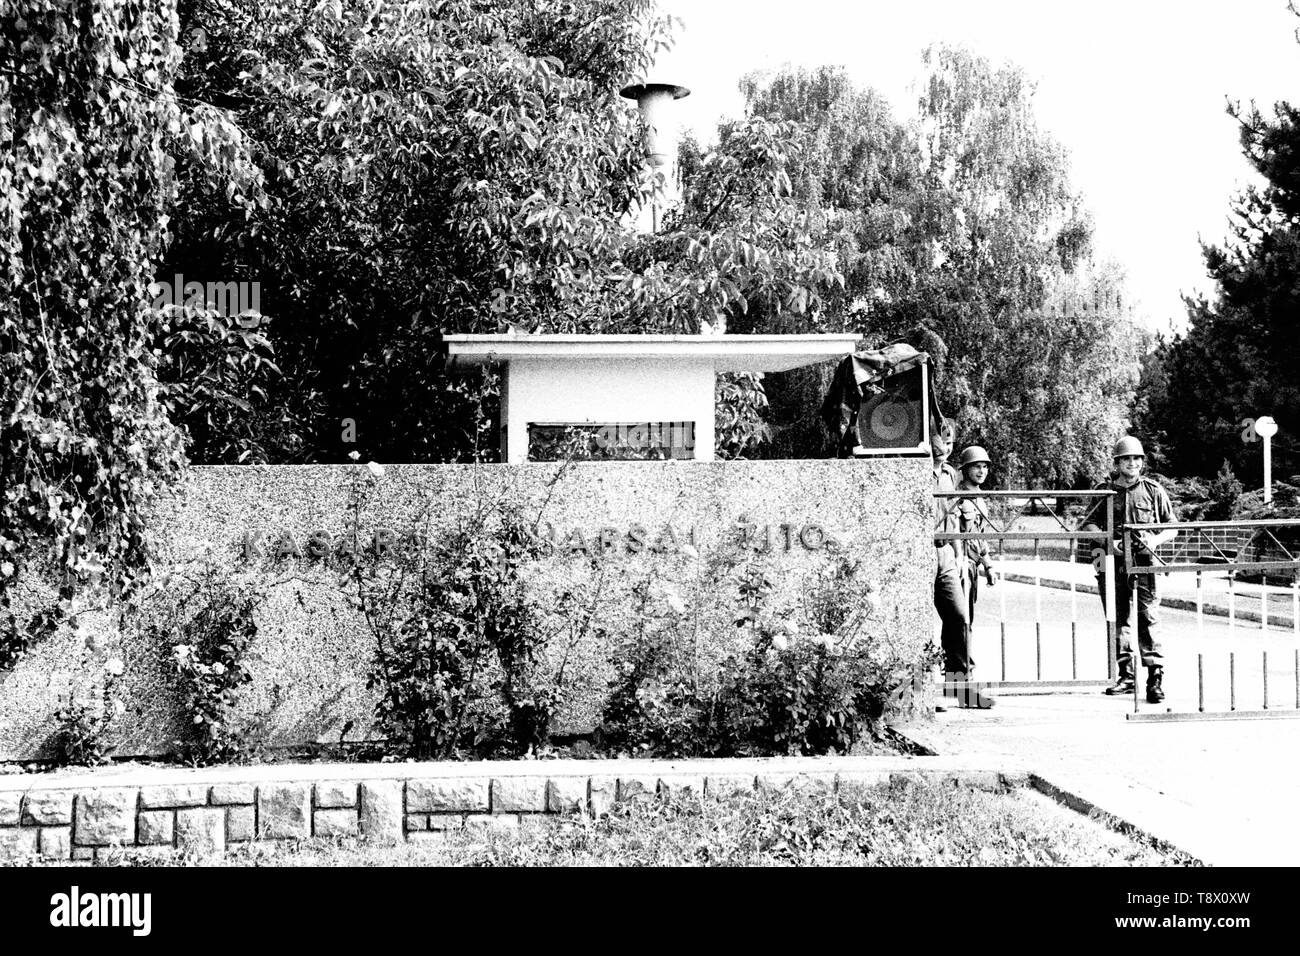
973,455
1128,445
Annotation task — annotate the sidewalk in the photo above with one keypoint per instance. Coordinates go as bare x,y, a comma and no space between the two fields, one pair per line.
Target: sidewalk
1222,791
1176,590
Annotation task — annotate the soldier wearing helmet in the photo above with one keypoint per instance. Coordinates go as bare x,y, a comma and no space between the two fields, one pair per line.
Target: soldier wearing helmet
974,517
1137,500
951,574
948,587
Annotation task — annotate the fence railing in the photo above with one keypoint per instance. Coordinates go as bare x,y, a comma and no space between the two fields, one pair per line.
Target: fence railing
1260,537
1242,681
1104,538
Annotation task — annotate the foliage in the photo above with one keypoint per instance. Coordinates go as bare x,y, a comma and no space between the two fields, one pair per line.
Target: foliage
1223,493
92,126
805,698
811,689
654,702
208,644
962,235
1150,399
82,727
458,167
1195,499
214,370
897,824
739,427
457,640
1234,362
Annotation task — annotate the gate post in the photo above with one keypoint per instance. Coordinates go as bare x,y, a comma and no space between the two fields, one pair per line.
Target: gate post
1108,568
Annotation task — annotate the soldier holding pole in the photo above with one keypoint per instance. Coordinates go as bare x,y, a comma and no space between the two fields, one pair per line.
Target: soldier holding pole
1137,500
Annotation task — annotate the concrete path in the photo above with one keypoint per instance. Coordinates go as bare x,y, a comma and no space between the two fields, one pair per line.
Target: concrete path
1226,792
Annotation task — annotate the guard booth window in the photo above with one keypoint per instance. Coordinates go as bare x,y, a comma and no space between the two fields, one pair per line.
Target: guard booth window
611,441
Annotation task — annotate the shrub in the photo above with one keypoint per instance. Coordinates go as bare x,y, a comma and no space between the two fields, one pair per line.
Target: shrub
1224,491
81,737
456,650
1195,499
207,654
805,696
654,704
810,689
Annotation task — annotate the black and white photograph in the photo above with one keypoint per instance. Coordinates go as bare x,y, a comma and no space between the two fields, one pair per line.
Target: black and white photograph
650,434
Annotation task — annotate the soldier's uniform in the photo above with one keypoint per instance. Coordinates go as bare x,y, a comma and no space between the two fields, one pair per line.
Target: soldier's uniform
1143,502
973,516
949,581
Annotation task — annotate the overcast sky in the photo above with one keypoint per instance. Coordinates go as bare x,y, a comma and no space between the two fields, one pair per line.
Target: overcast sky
1134,89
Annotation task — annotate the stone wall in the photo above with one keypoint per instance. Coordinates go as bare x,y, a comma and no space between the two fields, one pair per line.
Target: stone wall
159,812
627,536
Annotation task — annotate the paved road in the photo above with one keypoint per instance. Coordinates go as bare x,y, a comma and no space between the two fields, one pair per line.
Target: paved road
1225,791
1182,638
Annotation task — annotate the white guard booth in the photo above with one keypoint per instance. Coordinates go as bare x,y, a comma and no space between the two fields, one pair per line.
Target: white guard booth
629,392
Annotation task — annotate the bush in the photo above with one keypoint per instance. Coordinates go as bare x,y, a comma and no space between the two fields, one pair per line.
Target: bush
1197,500
1223,493
802,698
81,737
813,681
207,651
654,704
456,650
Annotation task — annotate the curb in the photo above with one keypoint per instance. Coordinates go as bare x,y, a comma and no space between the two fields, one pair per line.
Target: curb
1069,797
1178,604
1073,800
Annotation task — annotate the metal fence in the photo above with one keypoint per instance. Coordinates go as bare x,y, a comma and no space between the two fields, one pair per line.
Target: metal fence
1253,682
1087,642
1248,670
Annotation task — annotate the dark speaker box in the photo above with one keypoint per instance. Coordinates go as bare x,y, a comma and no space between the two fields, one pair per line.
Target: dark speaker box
893,421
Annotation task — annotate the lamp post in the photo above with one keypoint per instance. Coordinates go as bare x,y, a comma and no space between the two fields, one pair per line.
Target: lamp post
660,142
1266,428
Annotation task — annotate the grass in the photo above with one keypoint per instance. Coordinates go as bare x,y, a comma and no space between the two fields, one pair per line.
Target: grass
903,824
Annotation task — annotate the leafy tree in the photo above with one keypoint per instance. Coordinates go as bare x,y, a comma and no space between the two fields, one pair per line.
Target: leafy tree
862,170
858,173
1151,396
460,166
962,231
1041,363
91,123
1235,360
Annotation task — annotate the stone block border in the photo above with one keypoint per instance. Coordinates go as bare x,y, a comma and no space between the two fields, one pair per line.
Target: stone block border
150,811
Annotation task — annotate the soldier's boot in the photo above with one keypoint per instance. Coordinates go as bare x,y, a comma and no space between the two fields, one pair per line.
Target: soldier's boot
1125,683
977,698
973,695
1155,692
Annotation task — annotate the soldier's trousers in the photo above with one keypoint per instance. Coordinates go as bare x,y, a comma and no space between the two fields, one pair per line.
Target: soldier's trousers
954,611
972,593
1147,604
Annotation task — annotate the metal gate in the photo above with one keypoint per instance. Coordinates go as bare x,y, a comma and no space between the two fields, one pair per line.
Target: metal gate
1238,658
1256,674
1084,627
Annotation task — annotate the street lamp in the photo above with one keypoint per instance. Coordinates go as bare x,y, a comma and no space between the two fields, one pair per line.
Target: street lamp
1266,428
660,141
